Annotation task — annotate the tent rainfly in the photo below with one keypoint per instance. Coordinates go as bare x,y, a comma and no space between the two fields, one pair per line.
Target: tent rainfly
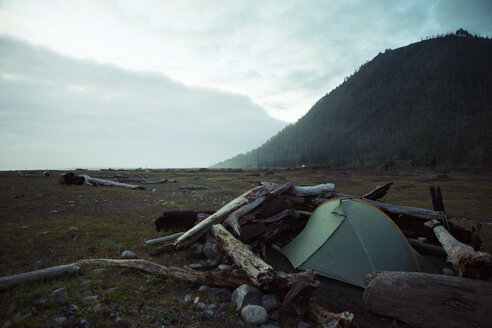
345,239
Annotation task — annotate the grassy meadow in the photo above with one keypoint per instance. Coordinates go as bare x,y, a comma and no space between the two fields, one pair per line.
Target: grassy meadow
44,224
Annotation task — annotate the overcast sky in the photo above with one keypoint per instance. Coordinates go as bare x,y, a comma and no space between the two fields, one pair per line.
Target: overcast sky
186,83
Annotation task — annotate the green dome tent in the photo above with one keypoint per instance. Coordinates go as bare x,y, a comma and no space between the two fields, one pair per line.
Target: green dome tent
345,239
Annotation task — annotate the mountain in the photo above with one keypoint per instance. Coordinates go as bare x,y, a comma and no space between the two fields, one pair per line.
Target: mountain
428,103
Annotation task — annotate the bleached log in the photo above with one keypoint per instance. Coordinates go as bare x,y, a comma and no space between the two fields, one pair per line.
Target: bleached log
201,228
163,240
285,213
43,274
220,279
108,183
312,190
156,181
327,319
465,260
429,300
260,273
378,193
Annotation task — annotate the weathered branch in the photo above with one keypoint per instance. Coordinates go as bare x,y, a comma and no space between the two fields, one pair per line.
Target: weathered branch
221,278
163,240
465,260
312,190
427,248
429,300
43,274
378,193
260,273
233,219
328,319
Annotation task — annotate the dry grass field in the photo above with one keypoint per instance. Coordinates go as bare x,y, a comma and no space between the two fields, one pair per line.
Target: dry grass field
44,224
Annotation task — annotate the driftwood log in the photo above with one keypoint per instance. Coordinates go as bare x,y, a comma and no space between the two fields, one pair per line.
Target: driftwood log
70,178
260,273
312,190
378,193
43,274
327,319
221,278
201,228
465,260
163,240
429,300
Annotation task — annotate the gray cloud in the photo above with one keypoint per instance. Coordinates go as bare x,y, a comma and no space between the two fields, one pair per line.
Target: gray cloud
60,112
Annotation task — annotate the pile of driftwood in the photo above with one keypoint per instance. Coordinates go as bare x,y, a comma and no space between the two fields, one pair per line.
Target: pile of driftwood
271,215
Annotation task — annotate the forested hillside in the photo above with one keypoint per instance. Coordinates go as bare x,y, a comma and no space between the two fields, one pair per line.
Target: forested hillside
429,103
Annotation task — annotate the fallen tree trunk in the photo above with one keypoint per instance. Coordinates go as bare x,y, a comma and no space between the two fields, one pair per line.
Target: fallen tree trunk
219,279
163,240
108,183
328,319
43,274
201,228
468,263
378,193
429,300
312,190
261,274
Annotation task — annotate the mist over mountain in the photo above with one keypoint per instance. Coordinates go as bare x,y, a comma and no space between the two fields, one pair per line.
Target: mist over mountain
425,104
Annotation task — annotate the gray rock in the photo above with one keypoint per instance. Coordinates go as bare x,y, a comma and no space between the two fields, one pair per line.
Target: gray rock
59,320
201,305
196,300
84,323
197,249
61,291
46,252
91,298
212,306
56,212
448,272
41,263
220,294
246,295
110,290
226,267
187,299
208,314
303,324
100,270
203,289
128,255
269,326
86,282
73,308
210,249
195,266
59,301
7,324
254,314
223,305
97,308
270,302
73,229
